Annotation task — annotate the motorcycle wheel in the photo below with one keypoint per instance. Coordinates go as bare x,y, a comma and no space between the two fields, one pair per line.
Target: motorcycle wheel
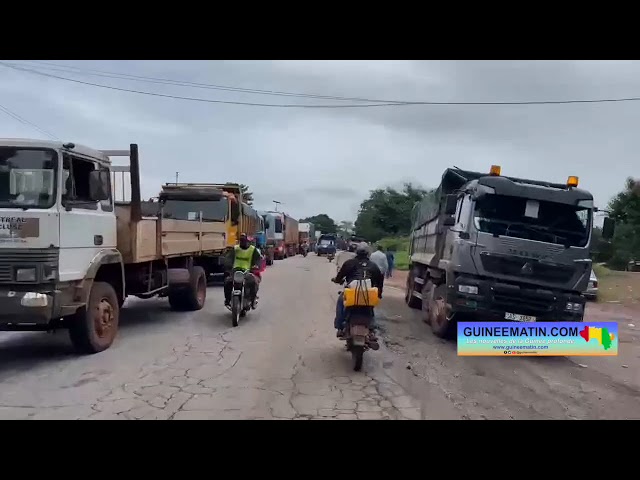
235,311
357,353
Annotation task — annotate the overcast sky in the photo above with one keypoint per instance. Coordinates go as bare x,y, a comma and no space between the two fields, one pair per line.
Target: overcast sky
326,160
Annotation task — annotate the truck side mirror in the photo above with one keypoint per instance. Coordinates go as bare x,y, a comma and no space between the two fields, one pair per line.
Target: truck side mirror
608,228
449,221
99,185
451,204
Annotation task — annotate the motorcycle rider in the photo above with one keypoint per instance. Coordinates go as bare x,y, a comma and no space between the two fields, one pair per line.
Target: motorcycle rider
357,268
244,256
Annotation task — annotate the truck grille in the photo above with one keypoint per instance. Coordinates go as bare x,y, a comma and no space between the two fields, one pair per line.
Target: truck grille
526,268
10,258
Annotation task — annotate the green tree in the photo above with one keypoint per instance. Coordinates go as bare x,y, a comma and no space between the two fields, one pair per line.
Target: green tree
346,228
387,212
322,222
625,209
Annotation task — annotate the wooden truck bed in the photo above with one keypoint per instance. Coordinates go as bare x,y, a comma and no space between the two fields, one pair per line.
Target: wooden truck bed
153,238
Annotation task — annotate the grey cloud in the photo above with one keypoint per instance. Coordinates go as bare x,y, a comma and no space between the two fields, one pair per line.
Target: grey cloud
327,160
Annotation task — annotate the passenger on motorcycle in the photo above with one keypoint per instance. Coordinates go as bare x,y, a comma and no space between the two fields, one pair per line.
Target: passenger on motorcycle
357,268
244,257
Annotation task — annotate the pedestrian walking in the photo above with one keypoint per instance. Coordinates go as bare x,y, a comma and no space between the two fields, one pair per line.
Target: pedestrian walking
391,263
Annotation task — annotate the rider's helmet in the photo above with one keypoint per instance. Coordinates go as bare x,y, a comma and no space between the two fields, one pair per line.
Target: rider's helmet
362,250
243,240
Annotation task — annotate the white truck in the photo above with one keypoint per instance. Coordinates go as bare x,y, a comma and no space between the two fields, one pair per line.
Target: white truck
70,255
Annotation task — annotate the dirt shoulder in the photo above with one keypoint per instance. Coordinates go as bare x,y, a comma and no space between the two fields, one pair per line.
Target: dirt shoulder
621,288
516,387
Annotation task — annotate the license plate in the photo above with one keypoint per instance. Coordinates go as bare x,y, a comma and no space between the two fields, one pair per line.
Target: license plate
516,317
359,330
237,292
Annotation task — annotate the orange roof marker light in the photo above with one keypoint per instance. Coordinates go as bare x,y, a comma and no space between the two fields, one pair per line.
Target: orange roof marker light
495,170
572,181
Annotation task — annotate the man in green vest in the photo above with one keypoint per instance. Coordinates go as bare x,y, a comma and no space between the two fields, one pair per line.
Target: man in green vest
246,257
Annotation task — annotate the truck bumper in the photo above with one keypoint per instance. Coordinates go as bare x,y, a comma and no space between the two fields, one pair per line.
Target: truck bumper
495,299
30,309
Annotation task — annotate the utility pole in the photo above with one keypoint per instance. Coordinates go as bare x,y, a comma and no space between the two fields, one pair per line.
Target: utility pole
276,203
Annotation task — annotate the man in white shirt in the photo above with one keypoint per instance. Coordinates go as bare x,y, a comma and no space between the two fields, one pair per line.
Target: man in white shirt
342,256
380,259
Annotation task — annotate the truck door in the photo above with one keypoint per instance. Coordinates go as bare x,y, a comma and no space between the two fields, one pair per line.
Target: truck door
454,237
86,226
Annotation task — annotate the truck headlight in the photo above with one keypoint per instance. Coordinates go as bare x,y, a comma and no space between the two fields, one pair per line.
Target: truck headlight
26,274
573,307
472,289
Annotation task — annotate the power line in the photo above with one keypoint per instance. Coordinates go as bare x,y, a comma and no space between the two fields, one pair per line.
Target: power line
24,121
389,103
193,99
208,86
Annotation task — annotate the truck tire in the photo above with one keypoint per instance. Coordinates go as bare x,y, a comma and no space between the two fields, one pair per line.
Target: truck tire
442,324
93,328
409,298
190,297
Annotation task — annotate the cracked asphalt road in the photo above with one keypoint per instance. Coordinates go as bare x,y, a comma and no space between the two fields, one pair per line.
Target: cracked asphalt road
282,362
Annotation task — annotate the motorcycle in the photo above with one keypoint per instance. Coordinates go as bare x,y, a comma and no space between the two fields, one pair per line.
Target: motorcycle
241,303
358,332
331,256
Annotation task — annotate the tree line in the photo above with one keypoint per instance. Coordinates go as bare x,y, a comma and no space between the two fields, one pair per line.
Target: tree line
624,208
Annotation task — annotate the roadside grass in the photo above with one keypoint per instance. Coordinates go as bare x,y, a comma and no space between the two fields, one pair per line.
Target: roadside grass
617,287
400,246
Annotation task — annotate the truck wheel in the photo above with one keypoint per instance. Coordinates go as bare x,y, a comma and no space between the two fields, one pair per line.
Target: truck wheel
426,301
442,324
190,297
412,300
93,328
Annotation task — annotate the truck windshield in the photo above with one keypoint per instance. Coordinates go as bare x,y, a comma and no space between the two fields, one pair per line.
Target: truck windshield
212,211
27,177
554,223
278,225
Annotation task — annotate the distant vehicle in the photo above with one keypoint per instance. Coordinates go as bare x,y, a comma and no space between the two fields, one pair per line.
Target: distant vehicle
326,244
286,235
306,234
592,290
633,266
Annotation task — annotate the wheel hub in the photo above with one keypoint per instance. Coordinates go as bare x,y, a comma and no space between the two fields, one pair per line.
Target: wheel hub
104,318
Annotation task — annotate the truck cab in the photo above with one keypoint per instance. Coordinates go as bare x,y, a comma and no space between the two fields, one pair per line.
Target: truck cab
49,193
